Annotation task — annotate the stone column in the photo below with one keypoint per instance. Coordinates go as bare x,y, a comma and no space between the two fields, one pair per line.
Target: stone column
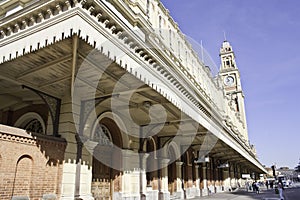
204,179
217,180
134,178
164,179
226,181
143,178
197,180
180,192
210,178
233,179
76,177
239,176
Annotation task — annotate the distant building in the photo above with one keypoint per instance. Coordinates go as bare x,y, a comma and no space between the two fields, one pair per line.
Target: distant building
286,172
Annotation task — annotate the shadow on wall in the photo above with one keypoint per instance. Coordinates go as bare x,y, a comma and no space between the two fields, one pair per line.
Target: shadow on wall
33,165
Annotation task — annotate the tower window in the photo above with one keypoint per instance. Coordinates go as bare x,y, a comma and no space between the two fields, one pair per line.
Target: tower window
148,5
170,37
179,46
237,104
160,24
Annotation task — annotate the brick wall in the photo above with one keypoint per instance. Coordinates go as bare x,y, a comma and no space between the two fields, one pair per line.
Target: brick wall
29,165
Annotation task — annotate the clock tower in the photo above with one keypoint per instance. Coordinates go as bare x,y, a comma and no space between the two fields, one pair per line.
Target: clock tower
231,82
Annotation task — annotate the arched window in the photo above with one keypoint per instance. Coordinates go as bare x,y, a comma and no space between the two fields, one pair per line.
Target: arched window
160,24
31,122
170,37
34,126
102,135
148,6
179,46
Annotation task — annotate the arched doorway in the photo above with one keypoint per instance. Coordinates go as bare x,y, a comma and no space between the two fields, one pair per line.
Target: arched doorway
151,163
106,180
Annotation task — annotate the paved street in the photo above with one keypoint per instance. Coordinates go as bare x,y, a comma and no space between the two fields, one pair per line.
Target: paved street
241,194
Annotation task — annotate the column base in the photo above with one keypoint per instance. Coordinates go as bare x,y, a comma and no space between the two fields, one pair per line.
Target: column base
218,189
192,192
178,195
164,195
204,192
85,197
198,192
211,189
123,196
152,195
227,189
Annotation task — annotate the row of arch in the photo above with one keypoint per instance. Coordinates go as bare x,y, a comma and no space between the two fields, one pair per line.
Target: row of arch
106,157
108,125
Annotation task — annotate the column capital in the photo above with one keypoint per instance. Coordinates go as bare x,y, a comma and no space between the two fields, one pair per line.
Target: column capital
179,163
164,161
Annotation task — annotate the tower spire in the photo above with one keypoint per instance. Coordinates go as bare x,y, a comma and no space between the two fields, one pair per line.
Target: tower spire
227,56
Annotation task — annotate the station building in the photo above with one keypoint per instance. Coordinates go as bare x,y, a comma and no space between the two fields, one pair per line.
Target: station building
108,100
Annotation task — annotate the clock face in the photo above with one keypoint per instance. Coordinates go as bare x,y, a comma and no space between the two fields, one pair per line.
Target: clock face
229,80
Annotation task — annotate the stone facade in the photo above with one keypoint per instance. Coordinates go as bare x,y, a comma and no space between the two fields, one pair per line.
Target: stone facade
118,104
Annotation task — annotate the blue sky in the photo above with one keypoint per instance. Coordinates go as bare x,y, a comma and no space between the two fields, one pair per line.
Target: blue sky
265,35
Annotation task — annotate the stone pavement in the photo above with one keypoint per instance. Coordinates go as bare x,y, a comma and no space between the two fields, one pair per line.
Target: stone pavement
242,194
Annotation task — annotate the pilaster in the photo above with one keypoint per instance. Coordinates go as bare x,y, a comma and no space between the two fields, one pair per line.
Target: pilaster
197,181
180,192
204,191
226,182
77,176
164,192
233,180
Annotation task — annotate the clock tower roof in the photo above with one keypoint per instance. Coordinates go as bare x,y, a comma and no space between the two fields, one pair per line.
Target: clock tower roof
227,57
226,47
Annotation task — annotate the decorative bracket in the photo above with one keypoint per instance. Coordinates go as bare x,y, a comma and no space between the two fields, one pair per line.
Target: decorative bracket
53,104
86,108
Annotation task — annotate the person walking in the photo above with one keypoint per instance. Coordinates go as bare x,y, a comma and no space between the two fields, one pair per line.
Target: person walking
280,189
257,185
267,184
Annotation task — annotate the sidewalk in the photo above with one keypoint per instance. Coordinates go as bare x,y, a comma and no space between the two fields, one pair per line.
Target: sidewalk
242,194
